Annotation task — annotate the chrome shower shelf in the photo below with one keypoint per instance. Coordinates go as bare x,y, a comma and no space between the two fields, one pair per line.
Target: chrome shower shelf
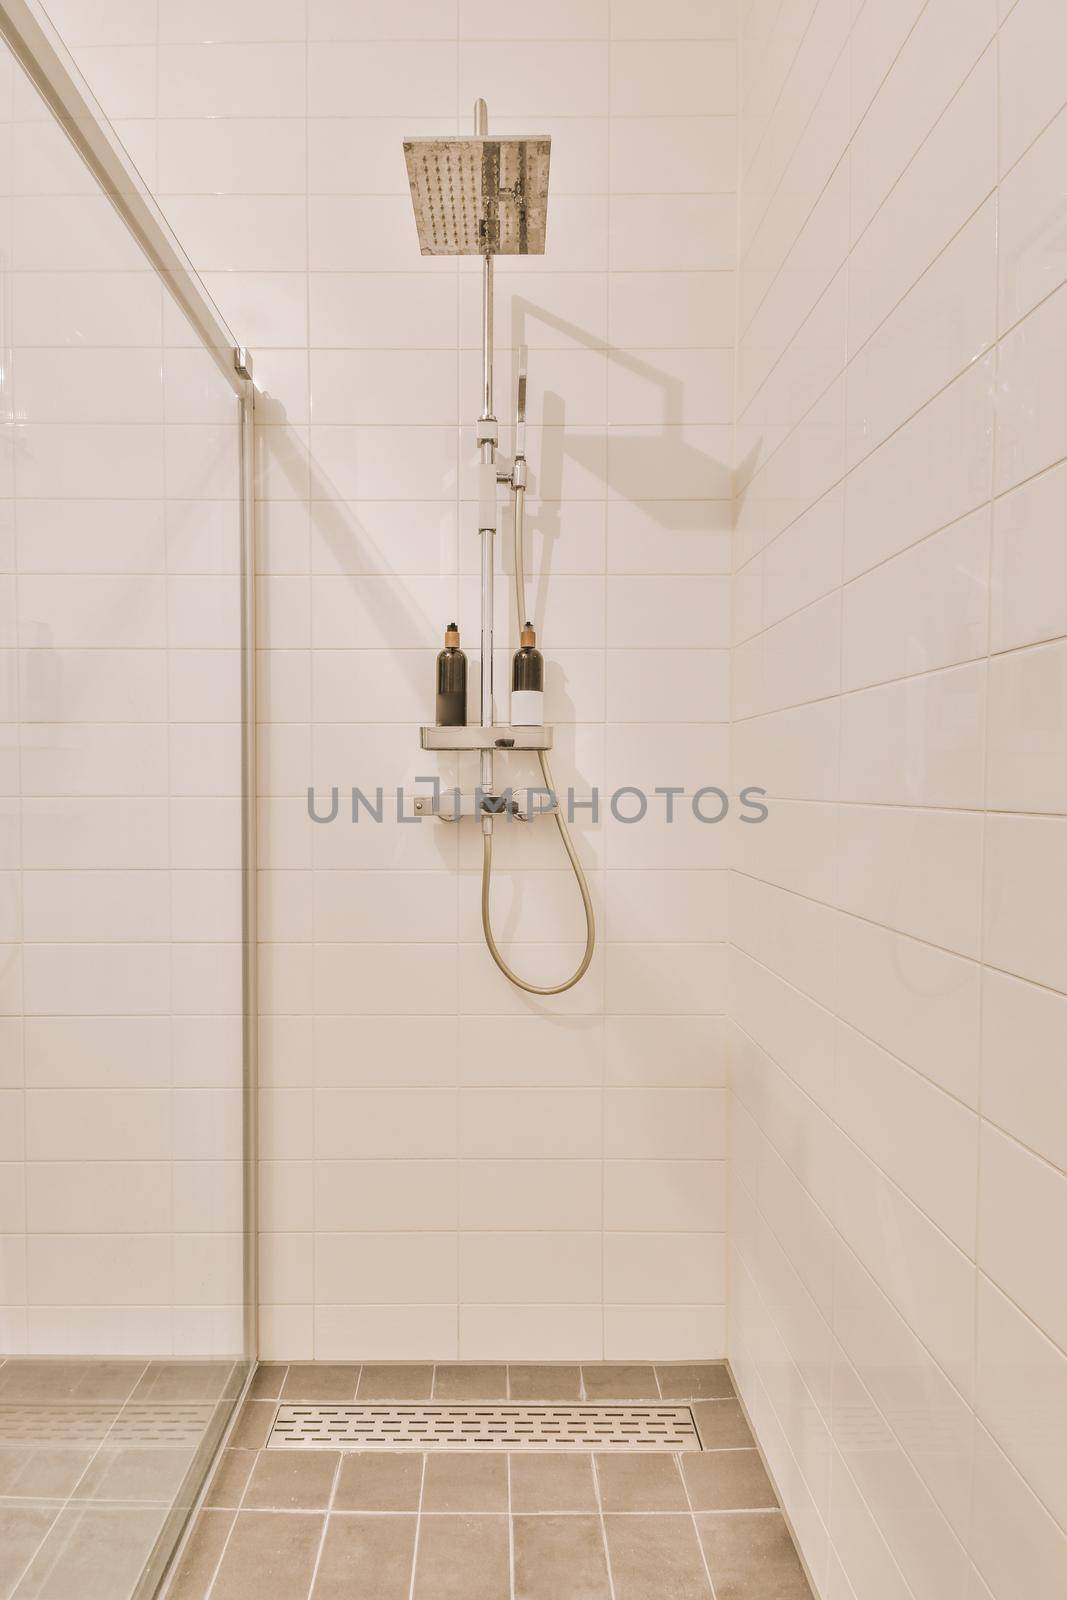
499,737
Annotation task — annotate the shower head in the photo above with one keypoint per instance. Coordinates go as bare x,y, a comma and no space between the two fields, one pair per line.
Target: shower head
480,195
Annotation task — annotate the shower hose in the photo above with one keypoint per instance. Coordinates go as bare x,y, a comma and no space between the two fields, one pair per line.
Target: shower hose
561,822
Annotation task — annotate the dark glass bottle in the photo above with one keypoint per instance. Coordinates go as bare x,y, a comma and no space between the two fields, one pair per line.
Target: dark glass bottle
451,682
527,682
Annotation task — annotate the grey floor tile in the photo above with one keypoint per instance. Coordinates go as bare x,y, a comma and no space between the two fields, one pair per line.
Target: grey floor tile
379,1480
40,1380
22,1532
632,1482
386,1381
557,1557
470,1381
464,1558
91,1382
291,1480
231,1478
271,1556
267,1381
464,1481
321,1382
727,1480
534,1381
197,1563
752,1557
92,1553
147,1473
721,1425
36,1472
171,1382
553,1481
616,1380
366,1558
695,1380
656,1556
253,1425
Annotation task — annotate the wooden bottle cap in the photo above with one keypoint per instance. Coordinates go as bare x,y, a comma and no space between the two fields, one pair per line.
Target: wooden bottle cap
451,637
528,637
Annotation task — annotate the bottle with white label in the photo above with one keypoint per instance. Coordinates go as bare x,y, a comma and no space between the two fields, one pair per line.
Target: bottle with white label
528,682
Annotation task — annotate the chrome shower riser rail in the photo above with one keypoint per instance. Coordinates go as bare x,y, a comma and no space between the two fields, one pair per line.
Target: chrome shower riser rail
454,205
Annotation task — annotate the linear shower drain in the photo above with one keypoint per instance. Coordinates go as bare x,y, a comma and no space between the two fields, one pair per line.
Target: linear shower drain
484,1427
41,1423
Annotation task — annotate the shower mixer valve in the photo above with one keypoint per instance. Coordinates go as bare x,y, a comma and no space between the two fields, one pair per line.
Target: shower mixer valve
514,805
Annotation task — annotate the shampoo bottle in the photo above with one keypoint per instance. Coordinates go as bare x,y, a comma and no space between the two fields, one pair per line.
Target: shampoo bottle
451,682
528,682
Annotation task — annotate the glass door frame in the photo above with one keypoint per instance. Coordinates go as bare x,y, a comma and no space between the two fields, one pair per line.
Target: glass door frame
31,38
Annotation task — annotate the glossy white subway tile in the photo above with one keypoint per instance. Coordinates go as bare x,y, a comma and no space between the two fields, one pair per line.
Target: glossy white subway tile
1015,1539
1019,1394
384,1196
891,1111
673,77
1026,859
527,1196
944,185
1027,589
532,1332
1030,203
1030,435
918,741
516,1268
249,79
946,322
934,470
378,19
1026,717
1022,1088
664,1268
913,870
925,609
1032,53
557,78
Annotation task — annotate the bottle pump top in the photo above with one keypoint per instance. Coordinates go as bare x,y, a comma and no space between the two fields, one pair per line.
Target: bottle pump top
451,637
528,636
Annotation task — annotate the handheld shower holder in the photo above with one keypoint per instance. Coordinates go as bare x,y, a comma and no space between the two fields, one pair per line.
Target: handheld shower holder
512,805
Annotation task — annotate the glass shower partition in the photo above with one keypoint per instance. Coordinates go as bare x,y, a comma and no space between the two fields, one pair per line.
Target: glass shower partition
127,1295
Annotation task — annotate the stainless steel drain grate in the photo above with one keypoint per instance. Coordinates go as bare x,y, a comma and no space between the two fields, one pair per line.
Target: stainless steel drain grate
73,1424
33,1423
484,1427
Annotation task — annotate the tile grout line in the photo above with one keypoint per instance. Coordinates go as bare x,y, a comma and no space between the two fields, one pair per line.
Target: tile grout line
209,1591
24,1571
511,1531
418,1530
696,1526
603,1524
335,1480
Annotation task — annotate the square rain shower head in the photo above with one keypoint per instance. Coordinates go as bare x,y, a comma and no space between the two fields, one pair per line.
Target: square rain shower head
480,195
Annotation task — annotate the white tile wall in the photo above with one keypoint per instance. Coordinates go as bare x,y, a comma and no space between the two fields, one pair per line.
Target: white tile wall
899,973
508,1180
119,687
403,1079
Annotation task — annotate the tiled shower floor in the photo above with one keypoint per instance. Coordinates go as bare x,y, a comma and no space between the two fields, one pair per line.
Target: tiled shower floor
454,1525
92,1457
